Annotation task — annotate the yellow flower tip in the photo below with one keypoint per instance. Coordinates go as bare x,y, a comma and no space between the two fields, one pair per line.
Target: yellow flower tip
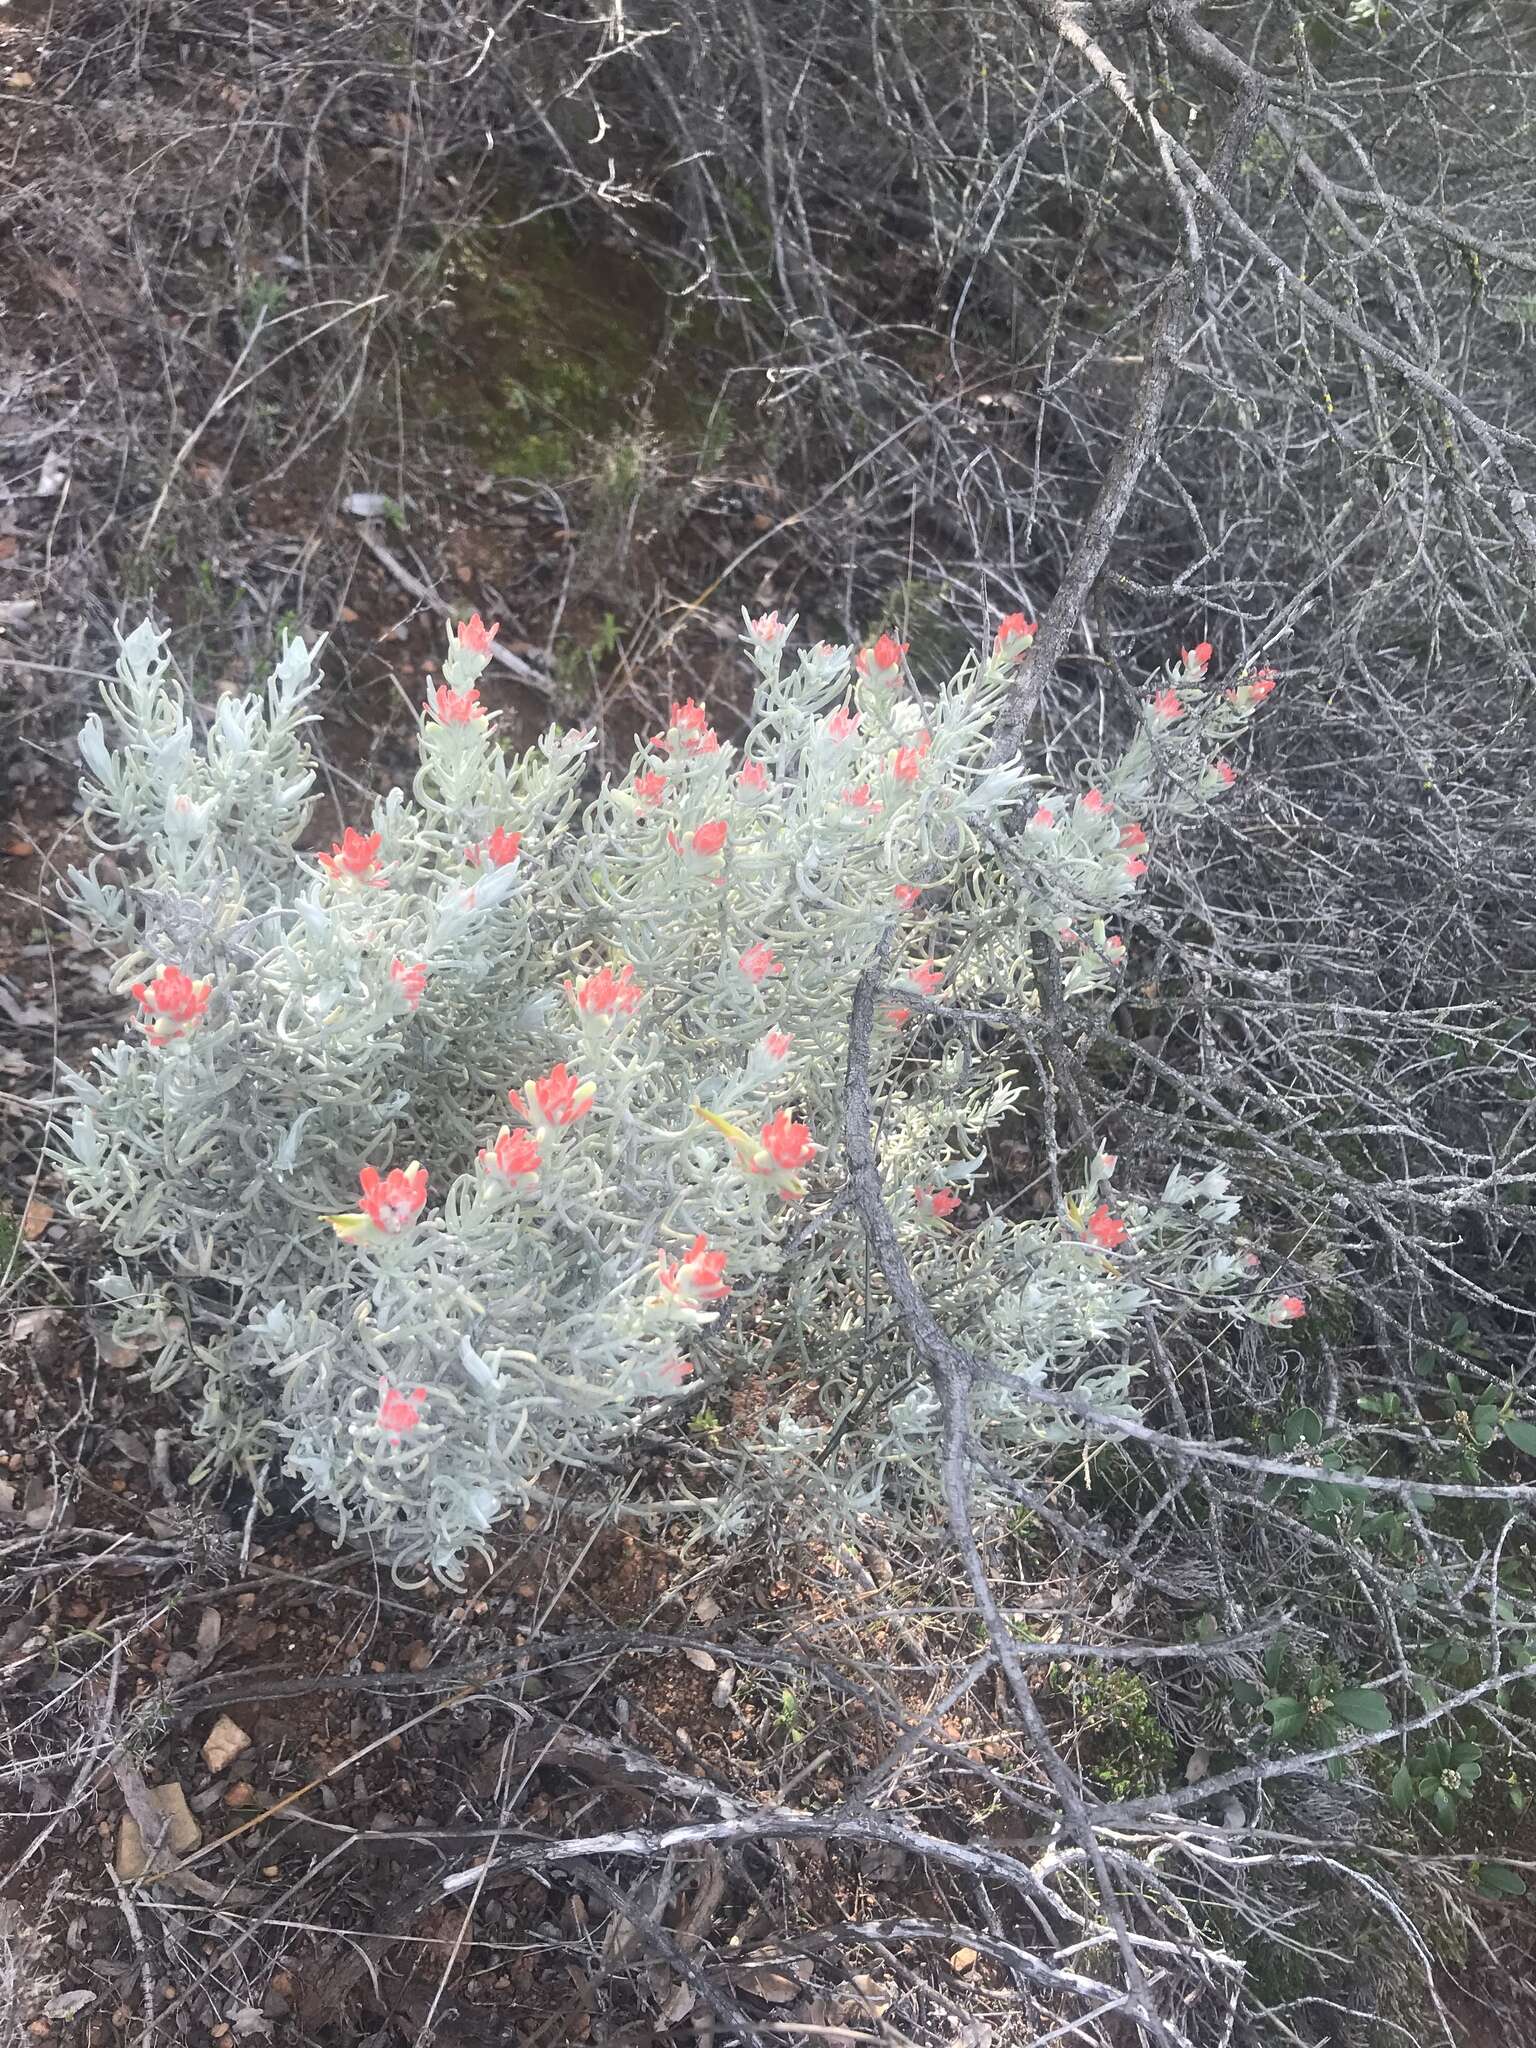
734,1132
348,1226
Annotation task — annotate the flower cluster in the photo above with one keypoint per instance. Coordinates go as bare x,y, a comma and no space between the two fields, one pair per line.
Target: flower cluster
173,1004
391,1202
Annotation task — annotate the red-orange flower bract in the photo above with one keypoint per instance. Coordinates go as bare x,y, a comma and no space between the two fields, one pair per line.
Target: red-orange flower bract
1106,1229
173,1003
884,657
759,961
1015,635
394,1200
603,993
513,1160
697,1276
455,707
354,857
399,1411
787,1143
688,730
475,636
559,1098
409,980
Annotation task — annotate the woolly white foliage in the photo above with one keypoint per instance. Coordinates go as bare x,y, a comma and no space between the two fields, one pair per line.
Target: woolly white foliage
421,1368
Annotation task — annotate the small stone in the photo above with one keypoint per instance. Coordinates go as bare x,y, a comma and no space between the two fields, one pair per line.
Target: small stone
225,1740
962,1960
184,1835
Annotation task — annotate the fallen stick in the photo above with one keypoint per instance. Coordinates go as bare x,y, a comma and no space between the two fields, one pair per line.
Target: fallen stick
424,594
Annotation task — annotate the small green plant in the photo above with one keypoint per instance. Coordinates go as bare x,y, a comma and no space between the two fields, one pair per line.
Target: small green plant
579,662
1327,1505
1127,1749
1442,1777
260,298
789,1717
1308,1707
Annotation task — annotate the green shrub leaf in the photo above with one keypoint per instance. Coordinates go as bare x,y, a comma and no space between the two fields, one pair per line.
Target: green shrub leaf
1365,1709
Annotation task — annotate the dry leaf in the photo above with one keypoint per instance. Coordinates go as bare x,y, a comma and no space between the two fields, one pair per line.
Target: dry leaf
209,1629
867,1995
24,1014
35,1218
962,1960
39,1503
762,1980
113,1354
20,81
678,2006
224,1741
39,1327
67,2004
701,1660
623,1938
707,1610
132,1861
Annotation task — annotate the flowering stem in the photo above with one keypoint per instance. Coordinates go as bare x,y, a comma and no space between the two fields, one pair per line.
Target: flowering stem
953,1372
